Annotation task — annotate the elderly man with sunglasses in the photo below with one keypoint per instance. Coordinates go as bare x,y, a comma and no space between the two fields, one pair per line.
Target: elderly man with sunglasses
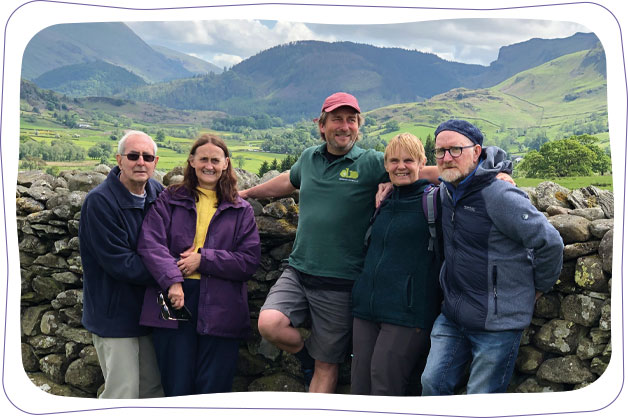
114,277
501,254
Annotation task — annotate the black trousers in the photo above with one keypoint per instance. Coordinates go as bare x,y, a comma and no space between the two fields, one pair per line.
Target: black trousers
191,363
384,357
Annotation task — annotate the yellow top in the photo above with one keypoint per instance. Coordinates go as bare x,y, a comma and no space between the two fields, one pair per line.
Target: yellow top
205,209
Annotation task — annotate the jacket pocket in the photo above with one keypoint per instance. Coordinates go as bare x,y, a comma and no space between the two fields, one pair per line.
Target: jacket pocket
495,289
409,291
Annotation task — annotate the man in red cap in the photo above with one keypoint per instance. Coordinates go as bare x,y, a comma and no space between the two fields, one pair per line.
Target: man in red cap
337,182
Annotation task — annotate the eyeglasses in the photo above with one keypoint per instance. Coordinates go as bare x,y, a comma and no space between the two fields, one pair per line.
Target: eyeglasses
134,156
455,152
168,313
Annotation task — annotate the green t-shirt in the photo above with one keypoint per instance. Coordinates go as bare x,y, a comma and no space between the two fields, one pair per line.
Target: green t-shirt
336,202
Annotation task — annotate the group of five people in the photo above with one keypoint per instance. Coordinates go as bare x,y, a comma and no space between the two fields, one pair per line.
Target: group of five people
371,282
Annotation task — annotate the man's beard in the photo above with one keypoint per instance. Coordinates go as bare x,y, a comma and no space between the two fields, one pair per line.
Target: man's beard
454,175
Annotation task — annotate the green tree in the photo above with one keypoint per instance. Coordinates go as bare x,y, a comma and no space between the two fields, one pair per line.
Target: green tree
561,158
602,163
264,168
160,136
274,165
239,160
430,145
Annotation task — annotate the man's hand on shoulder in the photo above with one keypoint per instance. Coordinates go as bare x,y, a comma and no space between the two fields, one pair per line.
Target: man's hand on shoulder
505,177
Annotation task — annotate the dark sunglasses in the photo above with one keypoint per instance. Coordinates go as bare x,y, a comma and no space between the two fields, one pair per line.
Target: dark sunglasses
169,313
134,156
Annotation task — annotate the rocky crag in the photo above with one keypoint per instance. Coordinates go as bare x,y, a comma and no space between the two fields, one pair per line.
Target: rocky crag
567,346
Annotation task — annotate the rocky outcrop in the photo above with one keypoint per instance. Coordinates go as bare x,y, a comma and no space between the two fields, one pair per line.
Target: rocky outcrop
567,346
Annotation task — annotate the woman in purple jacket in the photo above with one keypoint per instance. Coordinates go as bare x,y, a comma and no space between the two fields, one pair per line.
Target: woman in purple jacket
200,243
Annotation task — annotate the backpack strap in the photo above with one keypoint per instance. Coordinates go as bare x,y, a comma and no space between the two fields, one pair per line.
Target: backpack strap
430,195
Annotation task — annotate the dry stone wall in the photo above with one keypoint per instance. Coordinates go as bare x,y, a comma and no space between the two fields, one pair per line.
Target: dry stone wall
566,347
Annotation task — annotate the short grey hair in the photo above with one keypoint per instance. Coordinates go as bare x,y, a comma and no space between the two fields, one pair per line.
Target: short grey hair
126,136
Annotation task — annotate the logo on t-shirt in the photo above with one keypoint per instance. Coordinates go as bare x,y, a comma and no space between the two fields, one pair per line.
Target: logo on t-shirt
348,175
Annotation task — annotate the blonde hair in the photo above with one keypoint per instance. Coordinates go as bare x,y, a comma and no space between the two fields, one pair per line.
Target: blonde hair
406,142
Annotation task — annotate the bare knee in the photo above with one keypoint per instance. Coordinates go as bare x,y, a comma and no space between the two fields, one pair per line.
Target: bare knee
270,323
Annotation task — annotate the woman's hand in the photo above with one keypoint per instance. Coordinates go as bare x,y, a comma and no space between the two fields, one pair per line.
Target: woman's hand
189,261
175,294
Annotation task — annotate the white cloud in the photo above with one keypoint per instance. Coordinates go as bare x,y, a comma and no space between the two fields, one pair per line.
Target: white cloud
474,41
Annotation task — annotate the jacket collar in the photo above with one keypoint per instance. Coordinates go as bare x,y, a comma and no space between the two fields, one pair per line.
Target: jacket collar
180,196
123,196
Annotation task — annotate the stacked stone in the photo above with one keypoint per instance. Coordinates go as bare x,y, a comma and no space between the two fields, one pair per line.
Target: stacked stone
566,347
56,351
568,344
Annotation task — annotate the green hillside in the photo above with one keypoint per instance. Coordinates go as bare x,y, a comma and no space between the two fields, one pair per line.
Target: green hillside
564,97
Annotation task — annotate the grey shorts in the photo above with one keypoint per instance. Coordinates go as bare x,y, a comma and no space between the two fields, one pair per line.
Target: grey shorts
328,310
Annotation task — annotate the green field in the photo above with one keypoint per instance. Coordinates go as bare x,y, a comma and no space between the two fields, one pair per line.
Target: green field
602,182
46,130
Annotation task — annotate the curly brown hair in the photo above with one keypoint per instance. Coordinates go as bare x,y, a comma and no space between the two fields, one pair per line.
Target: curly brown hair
227,187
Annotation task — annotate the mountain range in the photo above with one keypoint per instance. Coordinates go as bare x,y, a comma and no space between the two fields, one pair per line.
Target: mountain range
289,81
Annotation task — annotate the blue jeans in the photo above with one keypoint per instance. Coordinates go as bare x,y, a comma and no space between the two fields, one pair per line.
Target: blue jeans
492,355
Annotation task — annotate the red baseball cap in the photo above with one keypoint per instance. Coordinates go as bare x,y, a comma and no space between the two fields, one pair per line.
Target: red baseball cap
340,99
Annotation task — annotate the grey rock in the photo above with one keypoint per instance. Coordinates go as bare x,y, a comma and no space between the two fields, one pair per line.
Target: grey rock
47,287
73,227
559,336
532,385
569,369
578,249
269,175
551,194
249,364
30,361
258,208
589,274
33,244
49,323
72,316
605,251
84,376
102,169
529,359
571,228
62,247
282,252
46,230
547,306
175,172
78,335
26,205
70,297
268,350
44,383
591,196
51,260
587,349
85,181
600,336
557,210
599,227
279,382
40,193
31,317
89,355
605,317
599,364
46,344
589,213
27,178
246,180
54,367
72,350
42,216
66,277
581,309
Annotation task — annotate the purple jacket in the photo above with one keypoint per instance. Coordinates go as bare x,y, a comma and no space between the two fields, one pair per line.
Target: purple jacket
229,257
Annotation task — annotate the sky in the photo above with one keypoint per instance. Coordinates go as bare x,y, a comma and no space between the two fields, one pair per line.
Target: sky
472,41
